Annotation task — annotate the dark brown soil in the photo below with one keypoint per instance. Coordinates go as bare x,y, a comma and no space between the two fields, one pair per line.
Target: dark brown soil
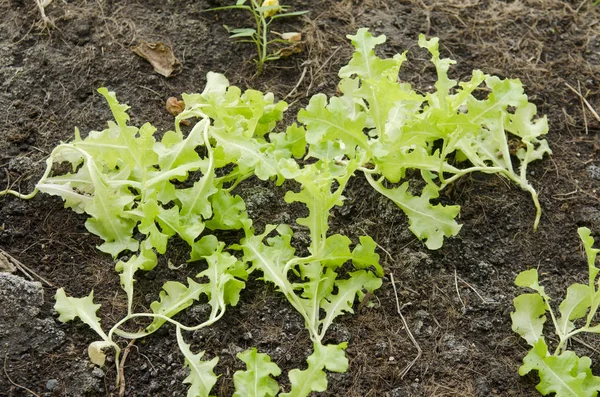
456,300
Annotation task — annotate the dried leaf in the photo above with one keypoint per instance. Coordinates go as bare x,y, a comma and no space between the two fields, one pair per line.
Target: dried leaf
175,106
96,353
292,37
290,50
6,265
160,56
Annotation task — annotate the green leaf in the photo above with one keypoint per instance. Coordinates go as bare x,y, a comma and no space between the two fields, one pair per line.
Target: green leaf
347,291
69,308
203,247
330,357
106,221
118,110
443,83
319,195
336,252
148,225
290,143
328,122
588,243
428,222
528,278
364,63
271,259
174,297
256,381
202,377
188,228
146,260
289,14
567,375
177,156
225,274
364,255
195,200
574,306
248,32
528,318
229,212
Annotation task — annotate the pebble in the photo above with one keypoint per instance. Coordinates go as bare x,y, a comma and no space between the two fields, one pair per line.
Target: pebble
51,384
97,373
594,172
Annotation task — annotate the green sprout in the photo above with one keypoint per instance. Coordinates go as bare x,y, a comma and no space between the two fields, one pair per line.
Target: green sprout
264,14
561,371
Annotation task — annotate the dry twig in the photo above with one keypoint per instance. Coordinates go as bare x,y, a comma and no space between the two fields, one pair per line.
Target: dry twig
10,380
122,368
22,268
587,104
410,335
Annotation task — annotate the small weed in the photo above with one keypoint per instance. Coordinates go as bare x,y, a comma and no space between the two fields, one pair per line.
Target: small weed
264,14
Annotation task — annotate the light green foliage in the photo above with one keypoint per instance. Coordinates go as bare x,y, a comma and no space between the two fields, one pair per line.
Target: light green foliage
430,133
201,378
562,371
85,309
330,357
565,374
315,285
256,381
140,192
124,179
260,34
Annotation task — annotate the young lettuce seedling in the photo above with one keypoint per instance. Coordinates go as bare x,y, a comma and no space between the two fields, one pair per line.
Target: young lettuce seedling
561,371
430,133
315,285
129,183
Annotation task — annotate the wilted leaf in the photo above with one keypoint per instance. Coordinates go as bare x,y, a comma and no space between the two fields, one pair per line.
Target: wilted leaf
293,37
175,106
160,56
96,353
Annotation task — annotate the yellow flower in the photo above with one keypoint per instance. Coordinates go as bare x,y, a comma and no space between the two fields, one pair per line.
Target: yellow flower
271,3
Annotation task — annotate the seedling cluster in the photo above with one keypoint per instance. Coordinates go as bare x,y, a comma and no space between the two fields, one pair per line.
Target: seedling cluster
140,192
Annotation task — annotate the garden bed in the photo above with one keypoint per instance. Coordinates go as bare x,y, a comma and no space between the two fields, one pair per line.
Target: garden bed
456,300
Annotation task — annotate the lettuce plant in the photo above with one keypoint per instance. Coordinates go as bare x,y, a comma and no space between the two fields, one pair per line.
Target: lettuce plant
387,129
126,181
139,193
561,371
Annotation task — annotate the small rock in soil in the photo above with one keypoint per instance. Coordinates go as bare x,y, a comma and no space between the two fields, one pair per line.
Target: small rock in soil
98,373
81,381
456,350
589,216
594,172
20,164
20,329
51,384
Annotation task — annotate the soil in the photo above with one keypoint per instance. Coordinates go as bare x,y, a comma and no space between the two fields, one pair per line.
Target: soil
456,301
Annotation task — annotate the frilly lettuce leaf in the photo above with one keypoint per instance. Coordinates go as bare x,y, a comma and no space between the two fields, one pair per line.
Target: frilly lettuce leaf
256,380
314,378
202,377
